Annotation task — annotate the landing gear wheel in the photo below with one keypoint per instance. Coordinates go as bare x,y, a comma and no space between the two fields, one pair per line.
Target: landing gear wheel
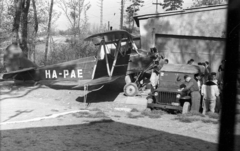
130,89
186,107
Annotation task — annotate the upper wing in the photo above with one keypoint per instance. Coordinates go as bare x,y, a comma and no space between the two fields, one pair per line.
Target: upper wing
23,74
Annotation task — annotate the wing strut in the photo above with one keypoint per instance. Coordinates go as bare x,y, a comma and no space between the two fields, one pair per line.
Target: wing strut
107,63
116,56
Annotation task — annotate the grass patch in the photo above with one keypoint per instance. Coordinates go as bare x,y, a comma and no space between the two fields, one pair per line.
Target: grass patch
95,109
130,115
209,121
194,114
186,119
97,115
189,117
213,115
192,117
134,110
88,115
152,114
159,112
80,114
116,116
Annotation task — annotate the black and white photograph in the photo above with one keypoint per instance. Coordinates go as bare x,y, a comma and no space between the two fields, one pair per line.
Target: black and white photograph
119,75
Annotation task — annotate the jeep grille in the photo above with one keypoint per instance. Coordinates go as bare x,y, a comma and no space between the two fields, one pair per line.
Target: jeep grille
166,97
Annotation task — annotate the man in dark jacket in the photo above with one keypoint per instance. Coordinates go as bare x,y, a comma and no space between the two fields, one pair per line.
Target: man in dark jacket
193,89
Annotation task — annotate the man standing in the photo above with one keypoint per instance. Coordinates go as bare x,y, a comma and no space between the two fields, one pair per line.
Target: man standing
210,94
193,89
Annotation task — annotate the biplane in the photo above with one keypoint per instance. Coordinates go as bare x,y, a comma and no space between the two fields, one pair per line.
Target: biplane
110,63
107,66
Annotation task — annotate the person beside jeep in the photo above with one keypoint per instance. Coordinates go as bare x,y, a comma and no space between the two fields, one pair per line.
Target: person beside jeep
192,89
210,92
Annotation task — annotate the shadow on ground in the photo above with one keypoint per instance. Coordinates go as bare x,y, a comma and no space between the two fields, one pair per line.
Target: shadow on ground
101,136
108,93
9,88
17,113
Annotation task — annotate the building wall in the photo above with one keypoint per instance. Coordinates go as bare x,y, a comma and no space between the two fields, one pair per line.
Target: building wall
181,50
208,23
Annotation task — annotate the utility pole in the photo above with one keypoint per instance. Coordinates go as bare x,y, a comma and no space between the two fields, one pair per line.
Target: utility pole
133,12
122,10
108,25
101,13
156,5
101,19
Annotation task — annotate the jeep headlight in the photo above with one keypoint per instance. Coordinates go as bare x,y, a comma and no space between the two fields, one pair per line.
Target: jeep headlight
156,94
178,96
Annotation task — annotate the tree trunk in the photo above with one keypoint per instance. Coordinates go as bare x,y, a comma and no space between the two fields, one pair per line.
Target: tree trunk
35,31
24,37
48,32
16,21
1,12
80,8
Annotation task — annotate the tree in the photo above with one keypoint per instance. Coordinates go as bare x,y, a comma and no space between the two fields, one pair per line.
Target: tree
48,33
24,25
73,10
33,44
1,12
171,5
21,10
198,3
17,20
132,10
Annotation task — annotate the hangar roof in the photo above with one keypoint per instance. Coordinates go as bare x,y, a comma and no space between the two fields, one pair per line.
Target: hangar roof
179,12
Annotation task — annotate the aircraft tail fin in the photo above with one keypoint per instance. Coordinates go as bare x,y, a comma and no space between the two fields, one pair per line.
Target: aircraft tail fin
15,60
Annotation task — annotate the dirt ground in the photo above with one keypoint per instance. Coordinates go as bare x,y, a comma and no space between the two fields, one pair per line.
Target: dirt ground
36,118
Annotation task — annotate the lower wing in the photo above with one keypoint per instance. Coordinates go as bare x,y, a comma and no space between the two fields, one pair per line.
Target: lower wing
98,81
77,84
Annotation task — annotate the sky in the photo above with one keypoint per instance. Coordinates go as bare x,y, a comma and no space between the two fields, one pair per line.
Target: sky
111,12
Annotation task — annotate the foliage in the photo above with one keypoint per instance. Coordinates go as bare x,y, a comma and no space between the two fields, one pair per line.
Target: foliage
132,10
63,52
171,5
134,30
198,3
75,11
6,15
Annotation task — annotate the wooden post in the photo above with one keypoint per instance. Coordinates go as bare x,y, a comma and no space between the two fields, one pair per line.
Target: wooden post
153,37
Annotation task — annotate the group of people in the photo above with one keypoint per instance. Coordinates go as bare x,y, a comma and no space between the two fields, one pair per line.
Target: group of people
204,89
158,62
